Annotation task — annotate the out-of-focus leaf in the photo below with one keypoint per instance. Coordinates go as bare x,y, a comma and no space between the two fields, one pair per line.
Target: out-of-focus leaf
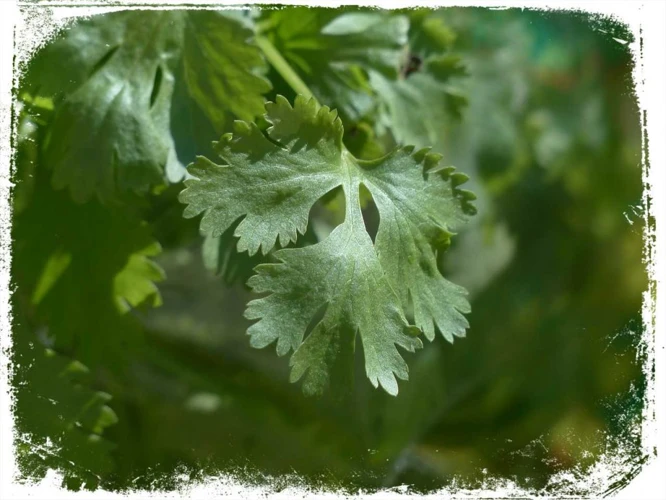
112,78
333,51
481,253
60,420
363,143
418,108
85,266
221,68
429,34
113,105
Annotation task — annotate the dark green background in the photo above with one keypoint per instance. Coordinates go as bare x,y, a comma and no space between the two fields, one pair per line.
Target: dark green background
549,376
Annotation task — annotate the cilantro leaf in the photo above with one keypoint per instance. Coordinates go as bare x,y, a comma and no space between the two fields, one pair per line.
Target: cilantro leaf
117,107
417,107
333,51
221,67
220,256
343,273
112,77
83,268
60,419
273,182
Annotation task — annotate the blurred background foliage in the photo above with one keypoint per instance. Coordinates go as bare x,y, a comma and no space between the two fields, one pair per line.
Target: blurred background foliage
536,107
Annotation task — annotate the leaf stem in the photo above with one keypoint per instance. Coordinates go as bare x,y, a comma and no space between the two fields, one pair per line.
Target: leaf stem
282,66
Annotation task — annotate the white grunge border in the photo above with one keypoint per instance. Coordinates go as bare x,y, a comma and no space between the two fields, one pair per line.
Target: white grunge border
19,36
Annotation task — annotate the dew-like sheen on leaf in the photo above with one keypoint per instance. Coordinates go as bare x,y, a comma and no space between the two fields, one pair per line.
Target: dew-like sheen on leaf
112,78
363,288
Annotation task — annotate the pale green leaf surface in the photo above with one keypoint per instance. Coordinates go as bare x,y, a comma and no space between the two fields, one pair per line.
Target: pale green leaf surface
417,108
415,219
272,184
266,181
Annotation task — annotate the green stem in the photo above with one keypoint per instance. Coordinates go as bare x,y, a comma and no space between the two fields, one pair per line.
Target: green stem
283,67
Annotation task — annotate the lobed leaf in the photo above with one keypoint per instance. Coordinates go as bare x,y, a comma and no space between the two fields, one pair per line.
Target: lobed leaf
112,77
359,288
117,108
417,108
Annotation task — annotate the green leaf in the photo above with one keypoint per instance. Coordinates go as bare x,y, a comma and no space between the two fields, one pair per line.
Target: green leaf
57,263
333,51
429,33
29,116
361,140
112,77
134,285
60,419
417,108
221,67
365,288
84,267
220,256
116,110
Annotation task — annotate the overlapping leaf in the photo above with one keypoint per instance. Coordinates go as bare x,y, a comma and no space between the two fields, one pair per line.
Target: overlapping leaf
113,77
334,51
221,67
417,107
115,108
220,256
363,288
